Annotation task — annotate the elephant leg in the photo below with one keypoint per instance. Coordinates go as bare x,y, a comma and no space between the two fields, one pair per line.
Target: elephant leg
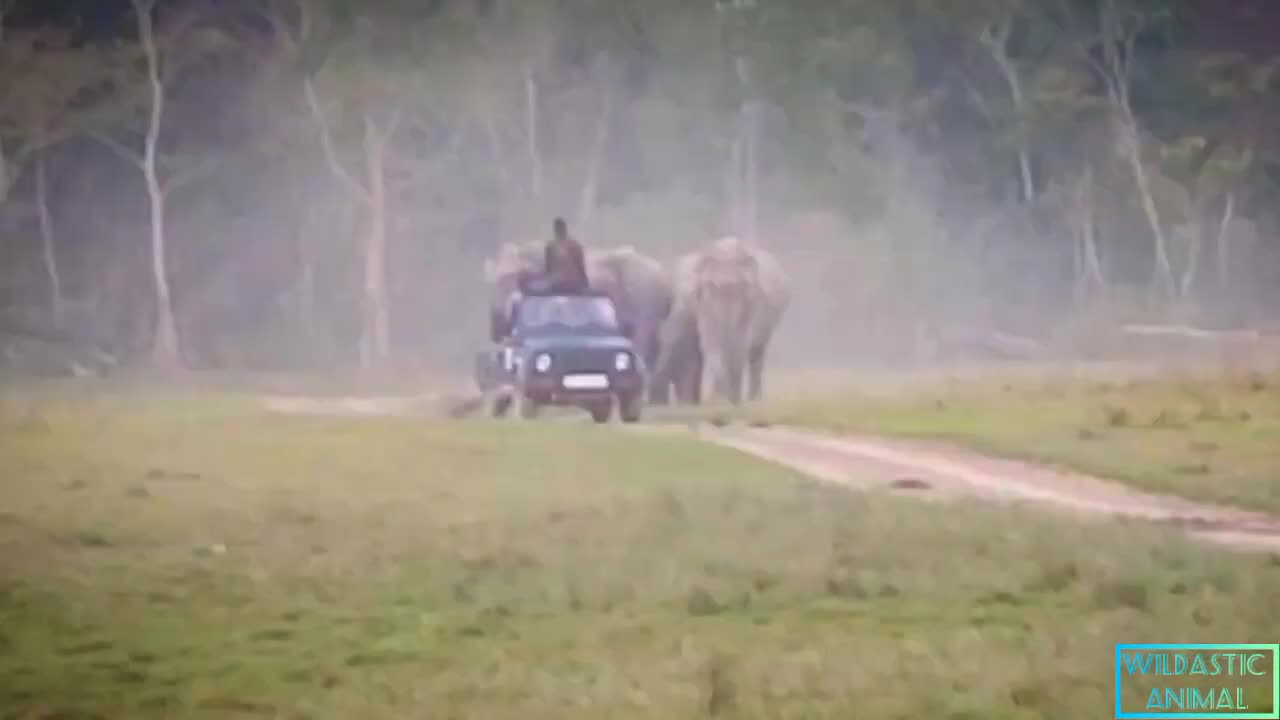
685,382
659,391
659,383
678,366
755,372
733,378
696,372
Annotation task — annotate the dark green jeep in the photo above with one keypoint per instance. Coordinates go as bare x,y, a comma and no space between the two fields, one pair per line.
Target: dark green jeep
566,350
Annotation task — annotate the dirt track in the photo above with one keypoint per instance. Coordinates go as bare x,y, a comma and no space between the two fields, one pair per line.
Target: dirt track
928,470
923,470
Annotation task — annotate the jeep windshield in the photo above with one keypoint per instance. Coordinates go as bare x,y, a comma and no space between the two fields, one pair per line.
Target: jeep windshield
541,315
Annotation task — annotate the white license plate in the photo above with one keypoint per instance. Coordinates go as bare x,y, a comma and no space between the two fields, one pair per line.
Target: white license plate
595,381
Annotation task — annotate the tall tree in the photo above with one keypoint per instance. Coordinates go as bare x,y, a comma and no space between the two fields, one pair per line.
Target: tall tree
1114,57
148,68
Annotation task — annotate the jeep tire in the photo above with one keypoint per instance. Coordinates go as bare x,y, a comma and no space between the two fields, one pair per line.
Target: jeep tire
601,410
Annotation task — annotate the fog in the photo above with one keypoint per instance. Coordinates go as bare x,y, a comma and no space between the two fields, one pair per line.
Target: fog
935,189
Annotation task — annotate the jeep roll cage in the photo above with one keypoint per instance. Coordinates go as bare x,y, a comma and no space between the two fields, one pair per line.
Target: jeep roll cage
502,322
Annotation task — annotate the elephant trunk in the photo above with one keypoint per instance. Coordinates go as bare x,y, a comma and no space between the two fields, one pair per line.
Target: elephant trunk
723,324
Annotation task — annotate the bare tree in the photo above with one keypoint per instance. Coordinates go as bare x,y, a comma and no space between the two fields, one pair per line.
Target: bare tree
995,39
1224,243
164,349
591,183
531,130
48,254
163,173
1081,218
370,190
1120,26
5,7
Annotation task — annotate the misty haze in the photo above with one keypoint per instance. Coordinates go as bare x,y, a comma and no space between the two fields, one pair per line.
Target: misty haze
553,358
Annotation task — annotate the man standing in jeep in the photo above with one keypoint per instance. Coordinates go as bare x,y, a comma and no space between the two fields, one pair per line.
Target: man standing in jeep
564,262
564,272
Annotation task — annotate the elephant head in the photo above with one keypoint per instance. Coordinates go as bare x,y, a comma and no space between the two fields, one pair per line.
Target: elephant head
505,273
730,297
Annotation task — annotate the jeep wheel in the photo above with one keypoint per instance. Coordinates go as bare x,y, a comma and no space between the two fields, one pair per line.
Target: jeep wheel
629,407
601,410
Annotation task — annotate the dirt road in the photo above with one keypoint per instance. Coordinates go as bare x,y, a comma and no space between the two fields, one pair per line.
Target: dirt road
928,470
923,470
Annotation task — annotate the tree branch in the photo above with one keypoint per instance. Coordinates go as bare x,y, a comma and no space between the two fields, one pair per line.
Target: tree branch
384,135
330,154
124,151
975,96
186,176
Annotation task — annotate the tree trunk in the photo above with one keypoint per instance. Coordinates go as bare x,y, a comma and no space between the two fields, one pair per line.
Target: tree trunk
1162,280
306,289
1116,66
165,353
531,129
4,174
591,184
752,173
46,238
1194,248
164,345
1093,260
1224,245
1088,264
495,149
1028,184
375,345
996,39
733,183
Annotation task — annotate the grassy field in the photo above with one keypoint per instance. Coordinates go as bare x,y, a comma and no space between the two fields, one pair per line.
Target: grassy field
179,555
1209,438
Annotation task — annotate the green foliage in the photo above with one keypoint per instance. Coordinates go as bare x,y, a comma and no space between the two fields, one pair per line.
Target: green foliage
911,120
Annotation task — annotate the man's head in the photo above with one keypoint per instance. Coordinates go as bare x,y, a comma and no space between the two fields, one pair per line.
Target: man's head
561,228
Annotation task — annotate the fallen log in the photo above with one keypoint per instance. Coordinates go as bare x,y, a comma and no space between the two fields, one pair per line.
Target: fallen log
991,343
1186,332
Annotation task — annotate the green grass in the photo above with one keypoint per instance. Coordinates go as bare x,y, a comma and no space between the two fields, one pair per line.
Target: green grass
1214,439
177,555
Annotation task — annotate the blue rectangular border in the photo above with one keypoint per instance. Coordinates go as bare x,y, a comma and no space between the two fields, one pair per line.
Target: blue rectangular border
1275,677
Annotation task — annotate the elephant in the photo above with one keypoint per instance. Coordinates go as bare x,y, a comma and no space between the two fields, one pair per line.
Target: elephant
729,299
680,362
638,285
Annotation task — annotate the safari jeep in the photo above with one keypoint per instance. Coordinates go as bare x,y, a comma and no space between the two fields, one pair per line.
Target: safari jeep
564,350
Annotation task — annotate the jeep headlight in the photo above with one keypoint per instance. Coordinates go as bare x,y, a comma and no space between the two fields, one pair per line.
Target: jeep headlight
542,363
622,361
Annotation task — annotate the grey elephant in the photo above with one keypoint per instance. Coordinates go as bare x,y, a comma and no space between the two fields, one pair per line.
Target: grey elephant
680,363
729,299
638,285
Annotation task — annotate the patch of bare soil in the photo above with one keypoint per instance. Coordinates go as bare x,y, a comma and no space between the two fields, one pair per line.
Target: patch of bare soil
454,405
935,470
924,470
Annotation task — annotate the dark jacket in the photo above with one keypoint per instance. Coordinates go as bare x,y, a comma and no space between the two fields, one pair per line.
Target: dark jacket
565,263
